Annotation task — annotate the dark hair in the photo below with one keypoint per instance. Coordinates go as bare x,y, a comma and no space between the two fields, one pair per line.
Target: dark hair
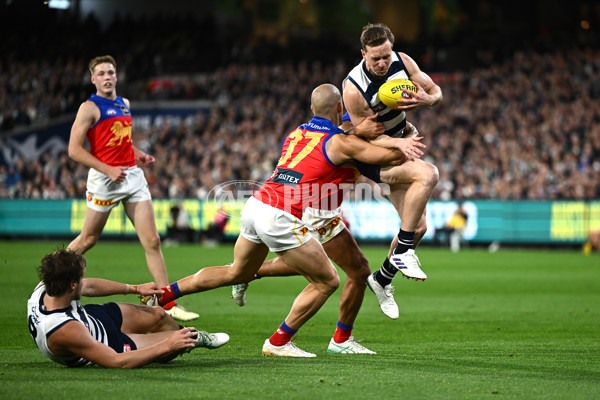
375,35
59,269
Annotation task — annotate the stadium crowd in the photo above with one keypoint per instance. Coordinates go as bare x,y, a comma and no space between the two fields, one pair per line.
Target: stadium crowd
525,127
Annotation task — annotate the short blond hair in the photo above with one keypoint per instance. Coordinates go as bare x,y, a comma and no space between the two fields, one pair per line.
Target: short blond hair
101,60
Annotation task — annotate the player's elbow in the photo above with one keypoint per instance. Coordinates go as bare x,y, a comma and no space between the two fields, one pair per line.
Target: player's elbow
72,152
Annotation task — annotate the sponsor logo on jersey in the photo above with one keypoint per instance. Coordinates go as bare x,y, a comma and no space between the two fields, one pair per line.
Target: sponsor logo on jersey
103,203
126,348
287,176
123,108
378,107
111,111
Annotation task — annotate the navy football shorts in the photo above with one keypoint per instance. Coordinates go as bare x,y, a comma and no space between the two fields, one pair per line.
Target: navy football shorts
110,316
369,170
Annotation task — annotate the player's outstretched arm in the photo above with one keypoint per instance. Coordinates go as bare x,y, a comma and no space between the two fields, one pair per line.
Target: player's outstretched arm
97,287
74,338
342,148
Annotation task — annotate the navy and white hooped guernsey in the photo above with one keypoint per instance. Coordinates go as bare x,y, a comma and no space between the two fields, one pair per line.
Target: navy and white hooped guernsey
394,121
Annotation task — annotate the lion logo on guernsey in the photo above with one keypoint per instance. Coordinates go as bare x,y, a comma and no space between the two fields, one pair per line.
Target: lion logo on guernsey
122,132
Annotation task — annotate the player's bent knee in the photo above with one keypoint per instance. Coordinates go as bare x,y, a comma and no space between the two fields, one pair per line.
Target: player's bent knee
152,242
158,313
361,270
332,285
328,285
431,175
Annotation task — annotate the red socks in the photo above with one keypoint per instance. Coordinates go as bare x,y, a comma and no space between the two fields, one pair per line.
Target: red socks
282,335
342,332
171,292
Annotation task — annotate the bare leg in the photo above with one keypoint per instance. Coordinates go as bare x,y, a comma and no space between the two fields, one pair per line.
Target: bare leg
411,184
143,319
247,259
344,251
311,262
93,224
141,215
275,267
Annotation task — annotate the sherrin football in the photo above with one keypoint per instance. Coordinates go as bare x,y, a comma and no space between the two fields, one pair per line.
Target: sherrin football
391,91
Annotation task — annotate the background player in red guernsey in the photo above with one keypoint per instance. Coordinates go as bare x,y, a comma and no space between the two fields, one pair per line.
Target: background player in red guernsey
114,174
310,161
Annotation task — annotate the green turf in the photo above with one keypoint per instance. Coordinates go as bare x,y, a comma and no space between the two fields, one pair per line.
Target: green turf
515,324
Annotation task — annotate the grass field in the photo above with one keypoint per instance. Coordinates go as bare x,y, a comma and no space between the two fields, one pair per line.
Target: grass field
515,324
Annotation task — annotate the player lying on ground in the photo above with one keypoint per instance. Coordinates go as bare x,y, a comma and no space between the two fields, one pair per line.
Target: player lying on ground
113,335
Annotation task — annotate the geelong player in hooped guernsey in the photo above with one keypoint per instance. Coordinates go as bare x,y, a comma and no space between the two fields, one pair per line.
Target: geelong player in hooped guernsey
411,183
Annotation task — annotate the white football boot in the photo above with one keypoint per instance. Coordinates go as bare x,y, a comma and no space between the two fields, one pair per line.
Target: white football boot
350,346
409,265
287,350
238,293
385,295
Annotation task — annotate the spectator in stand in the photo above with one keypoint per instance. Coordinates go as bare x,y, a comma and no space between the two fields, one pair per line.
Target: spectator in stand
490,141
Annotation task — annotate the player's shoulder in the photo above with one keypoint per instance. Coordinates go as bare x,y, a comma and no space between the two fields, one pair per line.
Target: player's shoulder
409,63
88,107
351,90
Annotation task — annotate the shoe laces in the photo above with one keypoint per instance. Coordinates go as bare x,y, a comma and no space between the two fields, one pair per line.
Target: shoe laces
353,339
388,290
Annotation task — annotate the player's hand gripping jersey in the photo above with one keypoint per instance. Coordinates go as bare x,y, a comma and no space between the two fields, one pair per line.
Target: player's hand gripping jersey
305,176
110,138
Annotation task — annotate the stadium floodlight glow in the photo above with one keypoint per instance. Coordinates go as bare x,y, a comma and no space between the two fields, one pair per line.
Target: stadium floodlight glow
61,4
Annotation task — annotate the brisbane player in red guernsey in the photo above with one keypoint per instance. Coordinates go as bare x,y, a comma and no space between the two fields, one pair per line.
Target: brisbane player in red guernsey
114,176
309,174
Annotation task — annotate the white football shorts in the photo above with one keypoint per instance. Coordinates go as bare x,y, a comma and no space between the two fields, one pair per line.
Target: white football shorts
324,225
279,230
103,194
